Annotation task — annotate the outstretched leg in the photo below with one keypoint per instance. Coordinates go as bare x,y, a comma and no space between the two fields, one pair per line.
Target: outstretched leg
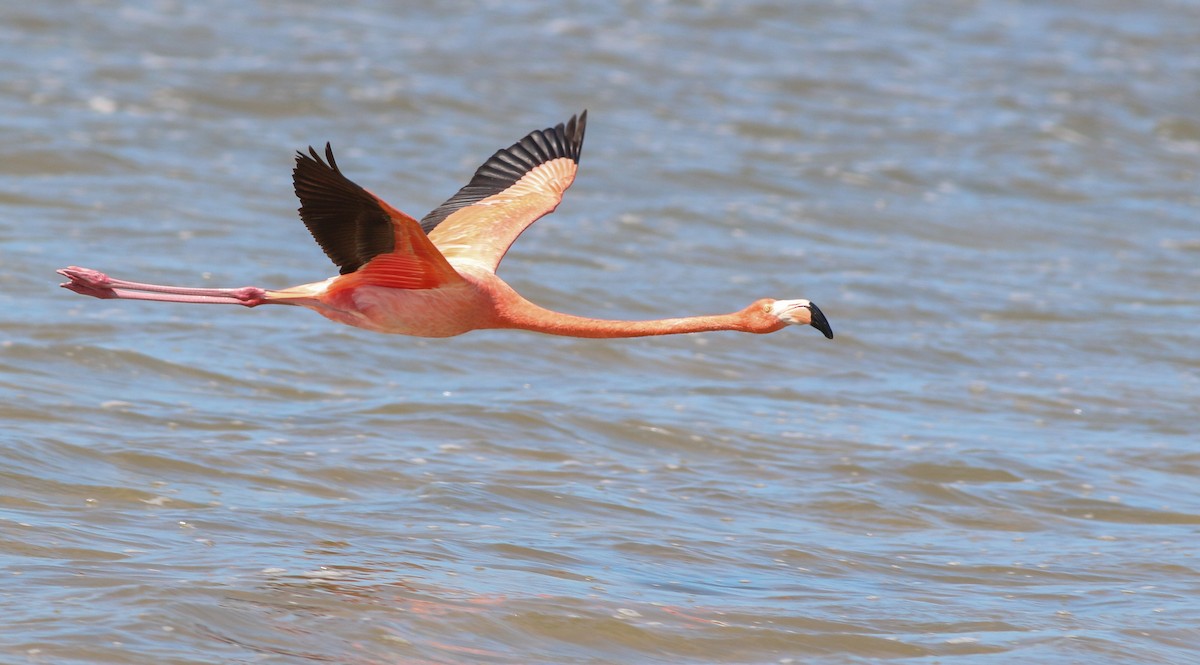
88,282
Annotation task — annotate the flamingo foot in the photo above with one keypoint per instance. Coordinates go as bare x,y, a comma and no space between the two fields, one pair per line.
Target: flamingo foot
88,282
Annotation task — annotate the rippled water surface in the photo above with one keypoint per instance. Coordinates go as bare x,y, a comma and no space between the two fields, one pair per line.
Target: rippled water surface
996,460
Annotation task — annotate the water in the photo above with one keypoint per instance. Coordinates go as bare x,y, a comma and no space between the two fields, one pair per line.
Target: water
996,460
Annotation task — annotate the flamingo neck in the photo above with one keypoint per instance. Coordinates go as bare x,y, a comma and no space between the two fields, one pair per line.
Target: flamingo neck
516,312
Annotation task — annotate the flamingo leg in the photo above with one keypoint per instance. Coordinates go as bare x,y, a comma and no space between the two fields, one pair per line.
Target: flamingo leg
88,282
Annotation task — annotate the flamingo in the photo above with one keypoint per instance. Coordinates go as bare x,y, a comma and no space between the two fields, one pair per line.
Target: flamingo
437,277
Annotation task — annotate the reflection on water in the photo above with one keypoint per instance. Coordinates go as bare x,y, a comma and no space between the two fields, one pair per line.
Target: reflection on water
995,206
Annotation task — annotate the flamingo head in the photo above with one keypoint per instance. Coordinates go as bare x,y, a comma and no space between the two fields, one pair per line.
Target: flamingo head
801,313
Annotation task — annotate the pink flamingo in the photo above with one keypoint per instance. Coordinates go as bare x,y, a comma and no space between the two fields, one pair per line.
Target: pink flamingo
437,277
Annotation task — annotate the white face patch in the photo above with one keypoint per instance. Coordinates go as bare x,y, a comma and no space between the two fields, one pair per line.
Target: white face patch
785,310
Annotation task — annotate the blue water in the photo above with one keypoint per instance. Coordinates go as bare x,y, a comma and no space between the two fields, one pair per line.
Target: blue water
994,460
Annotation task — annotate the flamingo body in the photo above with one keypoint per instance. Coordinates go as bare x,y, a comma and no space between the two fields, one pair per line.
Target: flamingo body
436,277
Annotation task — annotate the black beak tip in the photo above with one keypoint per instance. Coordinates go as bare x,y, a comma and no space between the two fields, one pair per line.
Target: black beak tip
820,322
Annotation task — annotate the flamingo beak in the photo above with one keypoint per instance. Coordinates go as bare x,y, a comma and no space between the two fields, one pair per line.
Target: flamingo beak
819,321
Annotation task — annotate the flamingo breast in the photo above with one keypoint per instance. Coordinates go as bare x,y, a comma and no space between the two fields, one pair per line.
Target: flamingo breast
440,312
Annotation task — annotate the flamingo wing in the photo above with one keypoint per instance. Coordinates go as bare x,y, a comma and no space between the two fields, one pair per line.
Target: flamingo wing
361,233
511,190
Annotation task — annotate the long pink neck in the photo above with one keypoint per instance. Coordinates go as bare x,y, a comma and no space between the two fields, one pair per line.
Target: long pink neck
522,314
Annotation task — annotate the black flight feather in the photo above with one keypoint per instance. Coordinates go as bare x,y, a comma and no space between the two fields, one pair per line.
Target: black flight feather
509,165
346,220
